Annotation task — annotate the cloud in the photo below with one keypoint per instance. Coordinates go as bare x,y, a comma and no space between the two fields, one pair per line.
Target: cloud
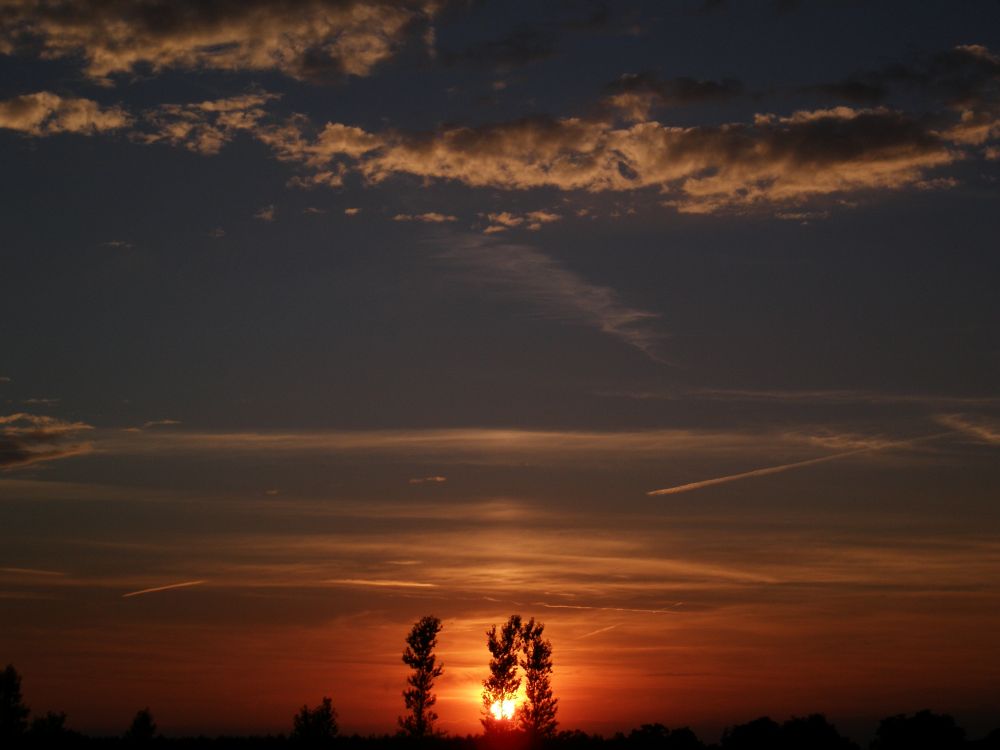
966,75
380,583
266,213
533,220
168,587
978,429
27,439
118,244
555,291
522,45
428,218
429,480
635,95
304,39
44,113
217,233
677,489
203,127
352,211
772,161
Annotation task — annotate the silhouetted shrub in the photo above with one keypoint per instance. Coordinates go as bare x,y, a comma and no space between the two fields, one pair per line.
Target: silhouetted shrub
759,734
922,731
315,726
142,729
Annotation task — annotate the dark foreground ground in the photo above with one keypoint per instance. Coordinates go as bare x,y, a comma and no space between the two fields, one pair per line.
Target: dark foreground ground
924,730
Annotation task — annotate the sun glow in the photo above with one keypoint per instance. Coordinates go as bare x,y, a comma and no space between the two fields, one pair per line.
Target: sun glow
503,709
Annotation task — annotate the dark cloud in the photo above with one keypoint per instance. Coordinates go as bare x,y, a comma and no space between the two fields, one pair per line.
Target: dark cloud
305,39
30,439
522,45
967,75
635,94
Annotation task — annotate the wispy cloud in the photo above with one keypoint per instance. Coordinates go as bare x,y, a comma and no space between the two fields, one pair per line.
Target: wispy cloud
555,291
168,587
27,439
766,471
432,217
979,429
266,213
429,480
381,583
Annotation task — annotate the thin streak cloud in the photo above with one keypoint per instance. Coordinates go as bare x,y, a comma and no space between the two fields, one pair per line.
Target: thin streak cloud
168,587
380,583
785,467
556,292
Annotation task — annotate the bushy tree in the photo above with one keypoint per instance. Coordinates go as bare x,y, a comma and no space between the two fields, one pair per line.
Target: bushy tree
13,712
503,682
538,714
315,726
923,730
759,733
142,729
419,656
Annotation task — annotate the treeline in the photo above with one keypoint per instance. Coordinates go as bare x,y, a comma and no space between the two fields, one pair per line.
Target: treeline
924,730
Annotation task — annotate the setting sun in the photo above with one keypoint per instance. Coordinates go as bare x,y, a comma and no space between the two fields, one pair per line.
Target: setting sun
503,709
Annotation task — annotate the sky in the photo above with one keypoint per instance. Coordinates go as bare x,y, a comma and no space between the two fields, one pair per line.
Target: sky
672,325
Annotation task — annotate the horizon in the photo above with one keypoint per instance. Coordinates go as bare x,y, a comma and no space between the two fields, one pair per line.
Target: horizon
673,326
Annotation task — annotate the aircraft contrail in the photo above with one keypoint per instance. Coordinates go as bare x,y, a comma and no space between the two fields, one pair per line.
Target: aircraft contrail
785,467
183,584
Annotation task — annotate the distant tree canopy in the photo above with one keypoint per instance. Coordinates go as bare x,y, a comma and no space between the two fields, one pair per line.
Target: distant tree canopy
419,656
142,729
922,731
811,732
315,726
13,712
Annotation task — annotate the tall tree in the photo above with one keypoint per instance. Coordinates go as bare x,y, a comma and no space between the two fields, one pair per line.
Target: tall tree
502,684
419,656
13,712
537,716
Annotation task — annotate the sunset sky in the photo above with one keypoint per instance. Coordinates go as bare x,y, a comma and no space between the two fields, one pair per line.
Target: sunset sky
673,325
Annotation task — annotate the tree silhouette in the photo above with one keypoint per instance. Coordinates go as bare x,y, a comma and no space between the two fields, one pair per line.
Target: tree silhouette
315,726
538,714
924,730
419,656
13,712
503,682
142,729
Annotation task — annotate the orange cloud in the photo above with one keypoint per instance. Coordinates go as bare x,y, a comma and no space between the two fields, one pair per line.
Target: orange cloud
27,439
773,160
44,113
203,127
315,39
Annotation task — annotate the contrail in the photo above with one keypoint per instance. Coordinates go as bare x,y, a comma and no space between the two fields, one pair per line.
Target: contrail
169,586
786,467
382,583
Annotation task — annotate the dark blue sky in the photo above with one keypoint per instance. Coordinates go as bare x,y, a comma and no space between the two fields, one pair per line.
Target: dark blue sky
291,290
